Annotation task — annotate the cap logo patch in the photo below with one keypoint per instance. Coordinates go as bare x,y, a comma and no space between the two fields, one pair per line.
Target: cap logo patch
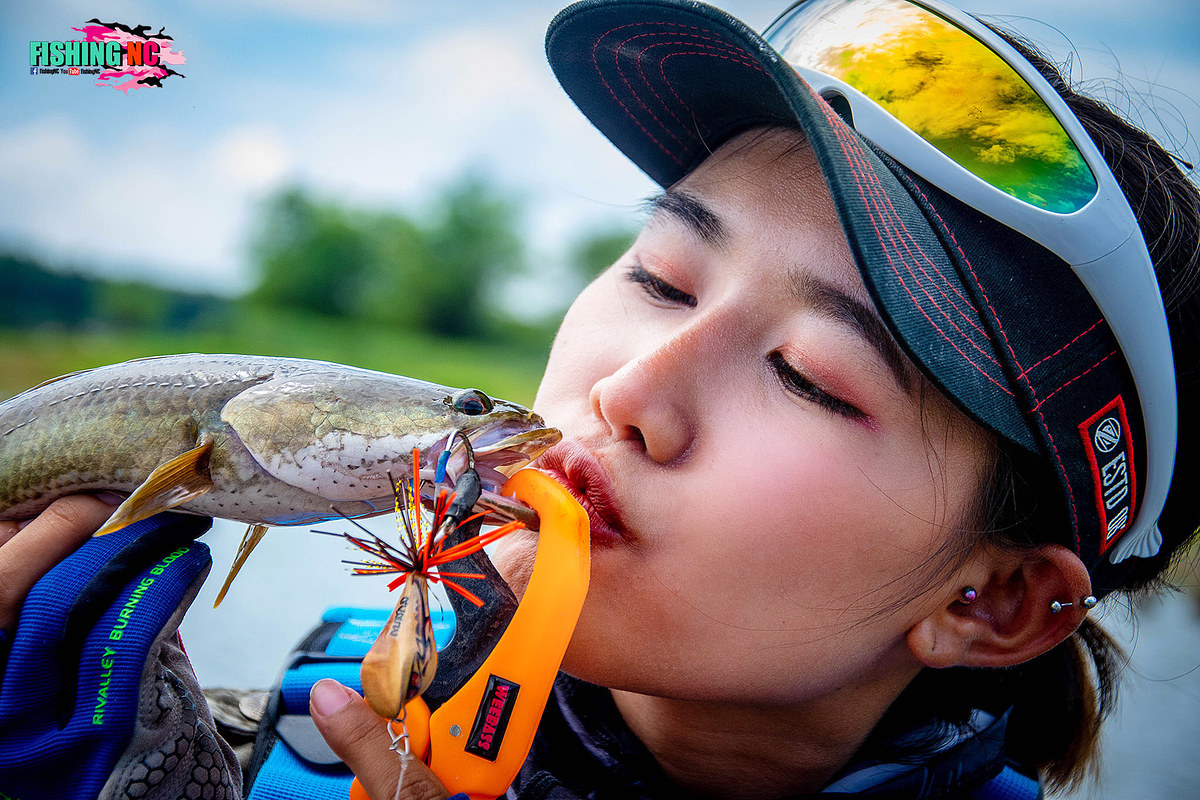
1109,450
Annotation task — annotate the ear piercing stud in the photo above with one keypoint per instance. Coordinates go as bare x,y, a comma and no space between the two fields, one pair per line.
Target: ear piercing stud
1088,602
968,595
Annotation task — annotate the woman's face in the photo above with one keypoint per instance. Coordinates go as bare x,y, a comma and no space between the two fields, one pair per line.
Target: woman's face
764,475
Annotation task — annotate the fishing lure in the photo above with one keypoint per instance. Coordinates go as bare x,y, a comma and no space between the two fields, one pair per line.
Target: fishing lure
464,742
401,663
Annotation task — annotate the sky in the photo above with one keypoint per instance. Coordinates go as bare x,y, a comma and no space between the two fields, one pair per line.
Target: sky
376,104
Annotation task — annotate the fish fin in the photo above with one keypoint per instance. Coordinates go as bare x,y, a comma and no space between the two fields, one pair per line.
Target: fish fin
254,535
172,484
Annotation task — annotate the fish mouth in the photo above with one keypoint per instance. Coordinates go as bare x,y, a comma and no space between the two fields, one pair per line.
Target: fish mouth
496,454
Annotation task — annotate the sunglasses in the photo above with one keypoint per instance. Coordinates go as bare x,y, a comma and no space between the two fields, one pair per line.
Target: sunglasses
952,101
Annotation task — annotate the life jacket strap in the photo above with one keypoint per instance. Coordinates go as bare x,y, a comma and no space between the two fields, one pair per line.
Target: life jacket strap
1009,784
291,759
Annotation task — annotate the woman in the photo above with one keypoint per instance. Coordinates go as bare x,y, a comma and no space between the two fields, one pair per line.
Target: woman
848,445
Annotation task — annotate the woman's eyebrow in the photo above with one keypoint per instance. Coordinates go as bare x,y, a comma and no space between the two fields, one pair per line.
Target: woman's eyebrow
690,211
809,290
827,299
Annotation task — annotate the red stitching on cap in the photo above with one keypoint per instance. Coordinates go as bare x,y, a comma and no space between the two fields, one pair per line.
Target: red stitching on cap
638,59
662,71
1023,375
916,304
848,145
1077,377
628,113
1064,347
940,285
916,269
843,134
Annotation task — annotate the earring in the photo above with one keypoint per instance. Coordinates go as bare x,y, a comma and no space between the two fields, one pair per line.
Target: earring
1088,603
968,595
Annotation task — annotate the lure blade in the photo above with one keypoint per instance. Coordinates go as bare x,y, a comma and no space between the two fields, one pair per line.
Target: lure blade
402,661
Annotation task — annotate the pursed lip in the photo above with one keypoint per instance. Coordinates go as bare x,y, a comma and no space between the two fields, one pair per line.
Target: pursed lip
573,465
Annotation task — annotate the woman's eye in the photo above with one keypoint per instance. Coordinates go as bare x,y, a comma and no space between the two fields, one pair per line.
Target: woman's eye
796,383
659,289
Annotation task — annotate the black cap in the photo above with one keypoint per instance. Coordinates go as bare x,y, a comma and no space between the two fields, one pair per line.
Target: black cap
997,322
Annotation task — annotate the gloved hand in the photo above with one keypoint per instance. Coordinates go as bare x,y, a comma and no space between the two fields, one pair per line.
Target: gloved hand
97,698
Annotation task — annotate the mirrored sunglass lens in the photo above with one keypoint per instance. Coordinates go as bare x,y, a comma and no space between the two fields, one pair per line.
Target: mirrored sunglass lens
947,87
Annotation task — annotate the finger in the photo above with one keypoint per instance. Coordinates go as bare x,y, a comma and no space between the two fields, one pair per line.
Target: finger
359,737
48,538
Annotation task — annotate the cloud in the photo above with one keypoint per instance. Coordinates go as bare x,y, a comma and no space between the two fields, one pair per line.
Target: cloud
413,118
253,157
142,207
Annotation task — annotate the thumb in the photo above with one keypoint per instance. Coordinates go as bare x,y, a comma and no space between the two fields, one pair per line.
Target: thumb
359,736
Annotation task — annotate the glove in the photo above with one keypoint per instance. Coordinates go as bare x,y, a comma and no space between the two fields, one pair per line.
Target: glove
97,699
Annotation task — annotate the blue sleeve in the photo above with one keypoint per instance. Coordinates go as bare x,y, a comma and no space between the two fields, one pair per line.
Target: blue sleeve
96,696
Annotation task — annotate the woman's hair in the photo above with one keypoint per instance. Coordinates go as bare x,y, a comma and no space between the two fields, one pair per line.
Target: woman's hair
1060,699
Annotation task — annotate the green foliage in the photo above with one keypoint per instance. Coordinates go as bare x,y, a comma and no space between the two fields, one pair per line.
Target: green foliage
437,273
472,244
312,256
39,297
411,294
500,368
597,251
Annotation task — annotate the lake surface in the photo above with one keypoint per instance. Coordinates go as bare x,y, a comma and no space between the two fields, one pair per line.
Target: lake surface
1152,745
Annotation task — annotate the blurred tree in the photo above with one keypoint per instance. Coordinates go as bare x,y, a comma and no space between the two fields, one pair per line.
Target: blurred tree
599,250
311,256
391,296
35,295
40,296
437,274
472,243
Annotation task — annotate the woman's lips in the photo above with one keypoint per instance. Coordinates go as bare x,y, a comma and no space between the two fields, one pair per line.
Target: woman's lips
572,465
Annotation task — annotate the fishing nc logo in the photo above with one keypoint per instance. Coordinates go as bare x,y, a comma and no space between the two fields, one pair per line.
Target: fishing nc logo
121,57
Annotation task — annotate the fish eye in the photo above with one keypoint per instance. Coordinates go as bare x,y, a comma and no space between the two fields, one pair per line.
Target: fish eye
472,402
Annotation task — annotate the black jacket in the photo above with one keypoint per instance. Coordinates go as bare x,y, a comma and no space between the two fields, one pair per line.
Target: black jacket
584,750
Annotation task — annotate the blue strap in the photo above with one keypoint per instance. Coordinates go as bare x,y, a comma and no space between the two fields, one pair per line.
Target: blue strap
287,774
1009,785
298,681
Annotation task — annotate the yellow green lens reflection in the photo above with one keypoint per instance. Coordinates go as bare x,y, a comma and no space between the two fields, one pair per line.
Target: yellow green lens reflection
950,89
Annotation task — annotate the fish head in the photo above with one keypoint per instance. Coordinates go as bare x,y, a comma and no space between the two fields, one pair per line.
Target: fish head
496,437
344,434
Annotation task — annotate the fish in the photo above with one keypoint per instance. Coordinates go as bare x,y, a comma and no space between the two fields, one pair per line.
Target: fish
256,439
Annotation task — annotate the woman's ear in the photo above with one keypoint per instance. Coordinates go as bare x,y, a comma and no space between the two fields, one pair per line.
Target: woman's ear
1009,621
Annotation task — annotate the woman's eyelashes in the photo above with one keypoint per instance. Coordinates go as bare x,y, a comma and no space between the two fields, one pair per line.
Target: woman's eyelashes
658,289
792,379
796,383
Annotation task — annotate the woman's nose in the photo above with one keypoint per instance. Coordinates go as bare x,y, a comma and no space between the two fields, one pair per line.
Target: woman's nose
653,399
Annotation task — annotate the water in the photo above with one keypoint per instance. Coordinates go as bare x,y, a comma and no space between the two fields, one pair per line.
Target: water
1152,745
